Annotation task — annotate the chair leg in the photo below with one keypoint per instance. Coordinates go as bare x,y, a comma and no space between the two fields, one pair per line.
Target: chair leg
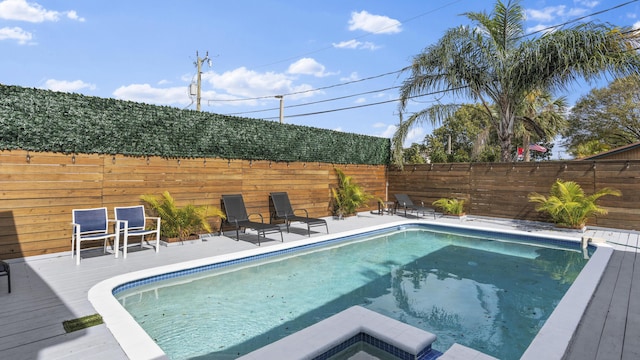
78,242
6,269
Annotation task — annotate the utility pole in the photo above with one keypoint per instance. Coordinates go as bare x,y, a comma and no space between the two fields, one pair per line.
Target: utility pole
281,97
199,63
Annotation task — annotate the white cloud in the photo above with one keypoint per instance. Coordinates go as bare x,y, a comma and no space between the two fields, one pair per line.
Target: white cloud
237,84
547,14
352,77
245,83
388,131
587,3
636,25
68,86
360,100
538,27
73,15
355,44
377,24
145,93
339,128
15,33
415,135
22,10
308,66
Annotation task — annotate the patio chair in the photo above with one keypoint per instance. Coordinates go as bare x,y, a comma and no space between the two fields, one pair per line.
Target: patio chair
284,211
403,201
6,271
133,222
238,217
91,225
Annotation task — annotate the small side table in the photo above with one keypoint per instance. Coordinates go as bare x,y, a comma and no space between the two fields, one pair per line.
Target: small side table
388,206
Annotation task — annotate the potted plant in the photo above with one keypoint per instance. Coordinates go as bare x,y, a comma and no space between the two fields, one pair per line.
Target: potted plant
568,205
181,223
450,206
348,196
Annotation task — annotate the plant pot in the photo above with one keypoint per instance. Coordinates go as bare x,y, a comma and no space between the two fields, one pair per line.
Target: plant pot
191,239
564,228
461,217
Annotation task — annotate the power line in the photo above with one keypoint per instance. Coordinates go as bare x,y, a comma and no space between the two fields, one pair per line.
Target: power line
579,18
317,102
367,105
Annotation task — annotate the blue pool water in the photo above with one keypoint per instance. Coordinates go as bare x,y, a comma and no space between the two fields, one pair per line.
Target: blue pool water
491,295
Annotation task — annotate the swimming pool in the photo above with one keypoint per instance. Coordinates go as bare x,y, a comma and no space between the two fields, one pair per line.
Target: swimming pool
414,287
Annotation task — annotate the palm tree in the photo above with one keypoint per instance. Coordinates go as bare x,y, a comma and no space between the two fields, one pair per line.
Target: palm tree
543,116
495,63
568,205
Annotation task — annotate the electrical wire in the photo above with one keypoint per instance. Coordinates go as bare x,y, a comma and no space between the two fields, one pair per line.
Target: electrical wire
317,102
367,105
579,18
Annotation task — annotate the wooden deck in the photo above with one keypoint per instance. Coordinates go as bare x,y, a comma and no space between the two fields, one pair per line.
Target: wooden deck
49,290
610,328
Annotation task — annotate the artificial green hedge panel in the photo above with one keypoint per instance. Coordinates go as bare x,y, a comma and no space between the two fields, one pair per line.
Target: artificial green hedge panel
43,120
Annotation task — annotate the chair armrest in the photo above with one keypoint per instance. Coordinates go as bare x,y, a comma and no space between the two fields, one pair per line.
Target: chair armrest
117,224
156,219
261,218
305,212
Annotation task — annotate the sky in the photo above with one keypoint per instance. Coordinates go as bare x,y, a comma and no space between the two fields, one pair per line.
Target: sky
334,62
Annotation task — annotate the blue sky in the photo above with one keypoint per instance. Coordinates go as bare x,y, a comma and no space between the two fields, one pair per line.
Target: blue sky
336,54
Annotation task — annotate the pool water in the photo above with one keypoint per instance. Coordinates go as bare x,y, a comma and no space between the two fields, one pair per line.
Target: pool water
489,295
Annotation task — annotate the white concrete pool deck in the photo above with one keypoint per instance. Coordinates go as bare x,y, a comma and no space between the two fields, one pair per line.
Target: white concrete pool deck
48,290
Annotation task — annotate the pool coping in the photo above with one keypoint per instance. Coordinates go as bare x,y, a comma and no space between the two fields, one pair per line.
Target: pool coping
339,328
137,344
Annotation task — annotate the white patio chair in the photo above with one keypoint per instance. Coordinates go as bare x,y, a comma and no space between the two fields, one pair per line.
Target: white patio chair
133,222
91,224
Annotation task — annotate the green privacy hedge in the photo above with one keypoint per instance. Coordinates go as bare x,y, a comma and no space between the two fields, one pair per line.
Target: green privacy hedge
43,120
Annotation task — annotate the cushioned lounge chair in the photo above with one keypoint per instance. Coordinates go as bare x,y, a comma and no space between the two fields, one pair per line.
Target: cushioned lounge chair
133,222
284,211
238,217
403,201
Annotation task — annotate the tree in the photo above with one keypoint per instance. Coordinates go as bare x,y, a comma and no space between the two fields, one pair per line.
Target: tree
469,130
494,63
414,154
605,118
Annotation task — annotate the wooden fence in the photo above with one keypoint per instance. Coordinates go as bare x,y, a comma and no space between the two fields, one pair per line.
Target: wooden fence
501,189
39,190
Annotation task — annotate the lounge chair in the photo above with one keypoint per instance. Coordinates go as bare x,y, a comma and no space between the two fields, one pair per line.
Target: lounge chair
133,222
6,271
403,201
238,217
284,211
91,224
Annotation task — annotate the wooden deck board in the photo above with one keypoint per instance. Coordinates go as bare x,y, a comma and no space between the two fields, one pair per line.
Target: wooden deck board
616,322
587,338
631,344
